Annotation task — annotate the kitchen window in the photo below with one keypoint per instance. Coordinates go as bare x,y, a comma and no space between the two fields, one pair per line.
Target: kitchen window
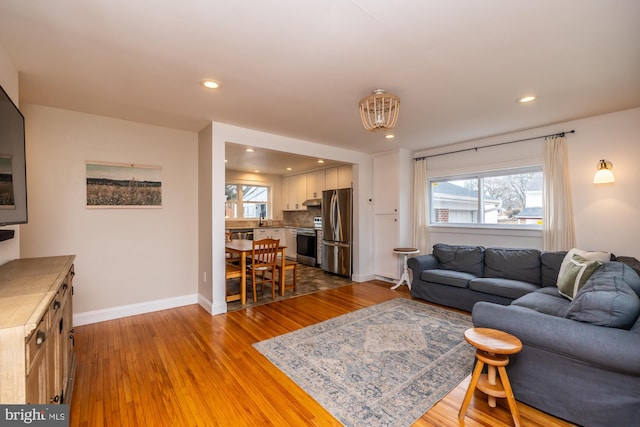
247,201
509,198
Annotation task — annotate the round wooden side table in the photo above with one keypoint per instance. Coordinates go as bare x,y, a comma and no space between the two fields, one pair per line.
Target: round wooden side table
405,272
493,348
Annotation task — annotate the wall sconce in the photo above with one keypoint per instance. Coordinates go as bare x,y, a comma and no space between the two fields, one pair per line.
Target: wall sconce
603,174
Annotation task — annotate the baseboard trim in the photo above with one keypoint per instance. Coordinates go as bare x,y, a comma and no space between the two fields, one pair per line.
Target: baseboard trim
112,313
362,277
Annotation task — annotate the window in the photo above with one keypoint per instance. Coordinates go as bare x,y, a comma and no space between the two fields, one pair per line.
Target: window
247,201
509,198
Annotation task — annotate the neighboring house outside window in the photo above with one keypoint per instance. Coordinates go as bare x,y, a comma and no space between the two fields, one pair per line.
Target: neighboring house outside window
508,198
247,201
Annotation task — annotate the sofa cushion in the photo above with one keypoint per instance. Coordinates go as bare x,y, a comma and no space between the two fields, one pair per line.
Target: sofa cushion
545,300
607,298
458,279
469,259
550,263
503,287
514,264
575,274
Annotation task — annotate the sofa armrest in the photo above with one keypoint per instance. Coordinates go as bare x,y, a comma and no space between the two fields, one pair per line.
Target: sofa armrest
609,348
422,262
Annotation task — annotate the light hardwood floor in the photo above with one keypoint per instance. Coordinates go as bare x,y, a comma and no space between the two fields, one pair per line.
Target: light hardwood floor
183,367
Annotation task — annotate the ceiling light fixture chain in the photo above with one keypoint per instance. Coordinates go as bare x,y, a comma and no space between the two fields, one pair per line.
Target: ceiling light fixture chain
379,111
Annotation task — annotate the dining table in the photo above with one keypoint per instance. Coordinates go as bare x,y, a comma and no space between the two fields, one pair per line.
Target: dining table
243,247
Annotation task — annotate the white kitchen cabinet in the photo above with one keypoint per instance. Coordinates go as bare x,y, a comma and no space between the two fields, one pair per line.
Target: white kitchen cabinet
338,177
269,233
345,176
315,184
292,243
296,192
284,197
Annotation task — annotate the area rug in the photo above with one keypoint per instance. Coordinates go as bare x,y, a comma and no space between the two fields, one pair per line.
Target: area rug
383,365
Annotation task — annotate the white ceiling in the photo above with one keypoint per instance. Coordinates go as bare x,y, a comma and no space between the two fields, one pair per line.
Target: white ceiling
299,68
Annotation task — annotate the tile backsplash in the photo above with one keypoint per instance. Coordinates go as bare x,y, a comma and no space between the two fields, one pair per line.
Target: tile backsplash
301,218
290,218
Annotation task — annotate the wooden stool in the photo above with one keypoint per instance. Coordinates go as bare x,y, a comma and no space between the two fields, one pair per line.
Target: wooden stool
493,348
289,265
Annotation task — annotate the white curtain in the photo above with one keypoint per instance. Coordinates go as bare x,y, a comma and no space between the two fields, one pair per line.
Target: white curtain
558,229
421,207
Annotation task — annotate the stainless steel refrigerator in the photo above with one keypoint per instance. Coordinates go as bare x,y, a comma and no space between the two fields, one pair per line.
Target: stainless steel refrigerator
336,231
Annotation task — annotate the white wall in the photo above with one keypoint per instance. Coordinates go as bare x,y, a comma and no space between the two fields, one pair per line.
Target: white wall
9,249
606,216
128,260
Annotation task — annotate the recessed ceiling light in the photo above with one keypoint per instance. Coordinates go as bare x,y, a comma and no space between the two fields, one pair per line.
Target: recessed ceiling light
289,169
210,84
526,99
390,136
256,171
225,160
249,150
320,161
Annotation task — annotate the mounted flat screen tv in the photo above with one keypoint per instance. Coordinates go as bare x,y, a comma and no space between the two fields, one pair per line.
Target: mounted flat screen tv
13,170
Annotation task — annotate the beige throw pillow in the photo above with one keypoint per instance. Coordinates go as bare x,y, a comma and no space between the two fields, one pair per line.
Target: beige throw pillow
591,256
575,274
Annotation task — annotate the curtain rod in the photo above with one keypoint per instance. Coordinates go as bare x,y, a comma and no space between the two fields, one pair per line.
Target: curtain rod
559,134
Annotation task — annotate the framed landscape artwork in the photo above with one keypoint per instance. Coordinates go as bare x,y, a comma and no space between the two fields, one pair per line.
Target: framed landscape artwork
121,185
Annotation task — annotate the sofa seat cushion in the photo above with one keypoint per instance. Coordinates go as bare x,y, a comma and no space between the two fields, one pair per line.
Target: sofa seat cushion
514,264
503,287
608,298
546,300
468,259
458,279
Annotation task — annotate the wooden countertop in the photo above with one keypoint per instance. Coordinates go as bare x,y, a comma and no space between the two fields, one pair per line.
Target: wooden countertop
27,287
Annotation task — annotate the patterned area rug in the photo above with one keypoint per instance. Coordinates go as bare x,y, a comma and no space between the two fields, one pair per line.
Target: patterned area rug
383,365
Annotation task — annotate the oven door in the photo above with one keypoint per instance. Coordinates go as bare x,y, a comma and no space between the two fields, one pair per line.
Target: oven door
306,247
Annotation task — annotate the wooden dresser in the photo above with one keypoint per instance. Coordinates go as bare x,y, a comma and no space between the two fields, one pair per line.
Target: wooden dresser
37,361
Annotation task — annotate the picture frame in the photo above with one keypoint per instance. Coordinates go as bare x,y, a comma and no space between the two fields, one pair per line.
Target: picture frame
123,185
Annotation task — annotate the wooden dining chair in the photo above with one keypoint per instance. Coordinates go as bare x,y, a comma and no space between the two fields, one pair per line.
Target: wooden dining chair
288,266
264,254
232,272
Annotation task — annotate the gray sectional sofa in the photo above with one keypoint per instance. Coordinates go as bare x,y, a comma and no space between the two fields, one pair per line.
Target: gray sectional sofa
460,276
581,358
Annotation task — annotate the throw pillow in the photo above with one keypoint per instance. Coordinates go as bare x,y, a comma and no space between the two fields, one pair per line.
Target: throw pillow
591,256
576,272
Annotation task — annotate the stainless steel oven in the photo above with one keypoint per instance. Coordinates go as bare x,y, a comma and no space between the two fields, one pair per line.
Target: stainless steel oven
306,246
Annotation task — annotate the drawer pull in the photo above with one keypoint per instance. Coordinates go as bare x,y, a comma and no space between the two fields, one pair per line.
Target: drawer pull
40,337
56,304
54,399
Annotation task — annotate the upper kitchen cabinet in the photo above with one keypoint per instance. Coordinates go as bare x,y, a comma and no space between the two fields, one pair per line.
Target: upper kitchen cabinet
315,184
294,192
338,177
